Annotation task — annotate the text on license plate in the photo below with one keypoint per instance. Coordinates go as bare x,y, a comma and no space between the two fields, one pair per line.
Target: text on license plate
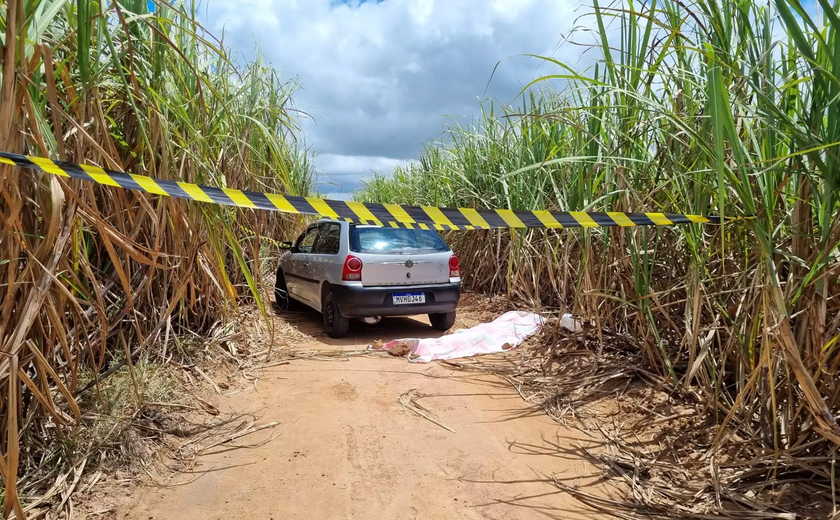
408,298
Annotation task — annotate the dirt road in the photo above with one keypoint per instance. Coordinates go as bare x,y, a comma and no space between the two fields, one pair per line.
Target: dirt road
349,449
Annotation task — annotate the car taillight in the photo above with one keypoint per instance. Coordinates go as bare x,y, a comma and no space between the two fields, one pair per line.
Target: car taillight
352,269
454,267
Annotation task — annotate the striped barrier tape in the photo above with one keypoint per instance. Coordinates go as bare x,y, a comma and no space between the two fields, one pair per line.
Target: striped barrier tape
394,215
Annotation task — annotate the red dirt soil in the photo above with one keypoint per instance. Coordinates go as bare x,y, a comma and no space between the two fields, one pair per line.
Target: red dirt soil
346,448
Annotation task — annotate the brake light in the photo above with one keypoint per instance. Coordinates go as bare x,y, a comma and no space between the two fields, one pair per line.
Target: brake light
454,267
352,269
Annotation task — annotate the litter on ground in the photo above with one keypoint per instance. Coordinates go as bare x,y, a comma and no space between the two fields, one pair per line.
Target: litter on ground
502,334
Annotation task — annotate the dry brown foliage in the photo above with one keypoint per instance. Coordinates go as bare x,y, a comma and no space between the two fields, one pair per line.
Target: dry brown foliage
91,276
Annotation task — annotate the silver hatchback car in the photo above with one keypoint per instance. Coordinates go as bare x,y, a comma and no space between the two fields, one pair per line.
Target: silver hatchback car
348,271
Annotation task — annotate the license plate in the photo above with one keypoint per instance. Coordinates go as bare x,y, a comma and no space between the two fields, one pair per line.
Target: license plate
409,298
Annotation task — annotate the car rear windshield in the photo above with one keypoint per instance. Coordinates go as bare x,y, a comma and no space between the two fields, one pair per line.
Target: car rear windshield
395,240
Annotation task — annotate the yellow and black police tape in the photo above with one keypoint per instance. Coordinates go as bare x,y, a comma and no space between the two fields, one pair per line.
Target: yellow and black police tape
394,215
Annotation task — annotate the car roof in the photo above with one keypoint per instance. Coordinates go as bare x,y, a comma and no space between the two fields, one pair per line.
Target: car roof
351,224
337,221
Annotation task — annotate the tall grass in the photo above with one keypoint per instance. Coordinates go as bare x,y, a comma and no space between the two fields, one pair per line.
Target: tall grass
709,107
88,271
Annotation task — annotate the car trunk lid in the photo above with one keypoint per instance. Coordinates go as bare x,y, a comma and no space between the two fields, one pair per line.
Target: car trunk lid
419,269
400,256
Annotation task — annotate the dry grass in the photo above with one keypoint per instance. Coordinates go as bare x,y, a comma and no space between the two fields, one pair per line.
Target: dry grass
657,442
149,422
702,107
99,282
122,427
408,400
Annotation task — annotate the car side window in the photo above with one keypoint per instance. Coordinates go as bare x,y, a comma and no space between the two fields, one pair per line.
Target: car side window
328,239
305,245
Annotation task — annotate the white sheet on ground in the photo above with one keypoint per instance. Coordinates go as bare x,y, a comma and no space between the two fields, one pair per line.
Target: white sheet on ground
504,333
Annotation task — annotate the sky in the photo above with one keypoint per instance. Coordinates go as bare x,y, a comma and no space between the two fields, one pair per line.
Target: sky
381,78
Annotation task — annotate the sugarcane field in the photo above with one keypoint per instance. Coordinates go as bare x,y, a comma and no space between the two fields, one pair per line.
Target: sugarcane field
419,259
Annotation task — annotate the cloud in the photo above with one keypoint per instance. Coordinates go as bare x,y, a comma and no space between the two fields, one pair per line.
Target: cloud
337,164
342,174
381,78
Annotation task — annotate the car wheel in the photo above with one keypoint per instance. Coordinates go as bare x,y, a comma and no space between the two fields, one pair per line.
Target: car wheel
443,321
281,293
335,324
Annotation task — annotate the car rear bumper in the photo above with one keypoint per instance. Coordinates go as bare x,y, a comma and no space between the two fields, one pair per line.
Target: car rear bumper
356,301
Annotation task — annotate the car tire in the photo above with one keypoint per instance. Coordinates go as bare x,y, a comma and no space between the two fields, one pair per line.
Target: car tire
281,294
443,321
335,324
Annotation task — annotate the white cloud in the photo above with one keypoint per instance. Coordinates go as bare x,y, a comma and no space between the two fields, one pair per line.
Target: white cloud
338,164
342,174
382,78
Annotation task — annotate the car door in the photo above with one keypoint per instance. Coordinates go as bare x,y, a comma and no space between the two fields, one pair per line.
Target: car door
324,255
297,269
